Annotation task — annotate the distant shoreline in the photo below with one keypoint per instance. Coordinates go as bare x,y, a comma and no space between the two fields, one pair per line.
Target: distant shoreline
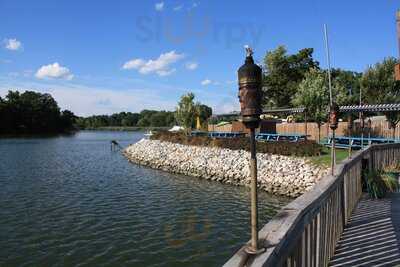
108,128
123,128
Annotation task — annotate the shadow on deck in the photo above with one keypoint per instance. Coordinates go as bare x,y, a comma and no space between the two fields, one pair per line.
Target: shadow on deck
372,236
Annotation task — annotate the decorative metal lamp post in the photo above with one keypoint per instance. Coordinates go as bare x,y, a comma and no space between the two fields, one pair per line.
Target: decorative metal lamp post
333,124
250,81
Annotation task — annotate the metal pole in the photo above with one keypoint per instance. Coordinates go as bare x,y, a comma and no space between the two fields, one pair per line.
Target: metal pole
333,152
253,171
398,28
329,62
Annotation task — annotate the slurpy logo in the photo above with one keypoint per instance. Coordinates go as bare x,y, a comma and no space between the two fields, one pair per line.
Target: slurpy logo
197,30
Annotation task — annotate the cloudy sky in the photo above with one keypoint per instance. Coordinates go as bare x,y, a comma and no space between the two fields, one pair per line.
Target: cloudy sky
101,57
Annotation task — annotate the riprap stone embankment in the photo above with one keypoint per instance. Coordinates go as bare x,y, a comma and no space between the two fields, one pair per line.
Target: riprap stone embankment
283,175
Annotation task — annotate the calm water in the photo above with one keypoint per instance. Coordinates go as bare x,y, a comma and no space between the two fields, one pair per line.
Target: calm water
70,201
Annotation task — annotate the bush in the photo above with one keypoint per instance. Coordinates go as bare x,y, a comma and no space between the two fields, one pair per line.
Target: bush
378,183
303,148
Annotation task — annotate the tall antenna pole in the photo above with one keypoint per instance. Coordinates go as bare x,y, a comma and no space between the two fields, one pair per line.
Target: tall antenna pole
398,28
397,67
329,62
328,59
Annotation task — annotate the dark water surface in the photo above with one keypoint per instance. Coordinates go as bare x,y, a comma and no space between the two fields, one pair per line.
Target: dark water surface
70,201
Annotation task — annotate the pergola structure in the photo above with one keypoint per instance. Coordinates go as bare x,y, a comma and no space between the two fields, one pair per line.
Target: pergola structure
342,109
371,108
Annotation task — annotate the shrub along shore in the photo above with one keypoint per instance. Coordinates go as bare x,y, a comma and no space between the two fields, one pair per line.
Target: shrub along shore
277,174
299,149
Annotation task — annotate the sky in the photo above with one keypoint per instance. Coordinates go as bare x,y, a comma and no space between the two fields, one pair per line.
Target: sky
102,57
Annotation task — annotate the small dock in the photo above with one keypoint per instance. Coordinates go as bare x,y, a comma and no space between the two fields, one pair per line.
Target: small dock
372,235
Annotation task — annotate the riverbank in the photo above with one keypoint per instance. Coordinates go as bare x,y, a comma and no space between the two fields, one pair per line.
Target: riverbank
281,175
126,128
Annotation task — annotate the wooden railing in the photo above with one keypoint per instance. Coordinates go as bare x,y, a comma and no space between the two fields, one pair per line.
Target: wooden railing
305,232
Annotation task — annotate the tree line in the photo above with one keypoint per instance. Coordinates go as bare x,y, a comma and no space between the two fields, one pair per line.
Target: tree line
36,113
33,113
145,118
185,115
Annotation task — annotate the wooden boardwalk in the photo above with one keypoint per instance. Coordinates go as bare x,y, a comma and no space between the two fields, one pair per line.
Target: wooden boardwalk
372,236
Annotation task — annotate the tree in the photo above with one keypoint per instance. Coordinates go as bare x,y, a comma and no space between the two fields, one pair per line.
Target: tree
380,87
33,112
67,120
204,112
283,73
158,119
186,111
346,86
313,94
144,122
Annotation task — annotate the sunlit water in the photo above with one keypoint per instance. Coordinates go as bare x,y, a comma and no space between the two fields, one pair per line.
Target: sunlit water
70,201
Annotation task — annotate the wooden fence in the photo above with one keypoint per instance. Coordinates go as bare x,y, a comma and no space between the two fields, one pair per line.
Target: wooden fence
379,128
305,232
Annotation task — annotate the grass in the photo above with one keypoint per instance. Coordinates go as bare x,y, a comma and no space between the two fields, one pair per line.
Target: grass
324,160
379,182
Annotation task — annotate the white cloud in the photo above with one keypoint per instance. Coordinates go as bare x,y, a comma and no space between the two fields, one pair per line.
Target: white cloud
133,64
161,65
191,65
159,6
54,71
12,44
166,72
194,5
206,82
177,8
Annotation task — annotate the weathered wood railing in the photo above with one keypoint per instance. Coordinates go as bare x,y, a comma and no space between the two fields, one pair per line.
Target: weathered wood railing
305,232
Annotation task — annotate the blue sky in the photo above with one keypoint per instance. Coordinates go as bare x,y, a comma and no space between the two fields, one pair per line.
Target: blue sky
101,57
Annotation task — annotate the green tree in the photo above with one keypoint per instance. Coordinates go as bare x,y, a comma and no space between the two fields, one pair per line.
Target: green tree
346,86
158,119
283,73
186,111
33,112
313,94
144,122
380,87
204,112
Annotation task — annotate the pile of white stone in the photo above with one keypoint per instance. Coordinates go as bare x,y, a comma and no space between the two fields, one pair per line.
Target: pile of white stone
289,176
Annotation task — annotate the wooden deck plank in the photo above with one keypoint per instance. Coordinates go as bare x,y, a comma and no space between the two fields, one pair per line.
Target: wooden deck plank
372,236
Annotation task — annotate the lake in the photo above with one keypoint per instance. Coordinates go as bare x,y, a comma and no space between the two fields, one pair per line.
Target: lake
71,201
